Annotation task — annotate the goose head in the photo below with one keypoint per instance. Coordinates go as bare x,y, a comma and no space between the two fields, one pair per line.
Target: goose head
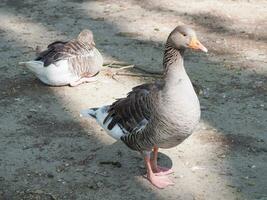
87,37
183,37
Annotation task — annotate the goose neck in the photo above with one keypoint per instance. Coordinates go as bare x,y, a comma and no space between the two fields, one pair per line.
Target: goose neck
173,63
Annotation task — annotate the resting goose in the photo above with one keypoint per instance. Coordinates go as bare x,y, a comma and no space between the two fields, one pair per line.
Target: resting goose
158,115
68,63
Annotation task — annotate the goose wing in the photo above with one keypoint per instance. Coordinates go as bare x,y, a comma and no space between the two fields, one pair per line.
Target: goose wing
64,50
133,112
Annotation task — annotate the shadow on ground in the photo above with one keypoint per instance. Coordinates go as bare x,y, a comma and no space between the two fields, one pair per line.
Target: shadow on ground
57,155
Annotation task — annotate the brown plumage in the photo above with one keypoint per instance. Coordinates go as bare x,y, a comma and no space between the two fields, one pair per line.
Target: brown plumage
157,115
75,51
129,112
70,62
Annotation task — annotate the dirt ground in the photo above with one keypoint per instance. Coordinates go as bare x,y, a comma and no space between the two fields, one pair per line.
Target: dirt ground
48,152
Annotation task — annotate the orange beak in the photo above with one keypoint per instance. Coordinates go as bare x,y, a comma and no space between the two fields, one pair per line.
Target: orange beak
195,44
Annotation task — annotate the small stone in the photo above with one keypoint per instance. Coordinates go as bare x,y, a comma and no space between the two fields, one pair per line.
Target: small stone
38,192
99,184
179,176
29,116
119,153
50,175
221,156
251,184
195,168
60,168
253,166
93,187
33,110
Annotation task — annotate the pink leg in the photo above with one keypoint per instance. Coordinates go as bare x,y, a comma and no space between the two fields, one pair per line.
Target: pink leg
159,171
83,80
158,181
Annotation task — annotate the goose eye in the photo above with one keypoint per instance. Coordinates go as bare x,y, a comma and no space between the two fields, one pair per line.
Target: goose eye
184,34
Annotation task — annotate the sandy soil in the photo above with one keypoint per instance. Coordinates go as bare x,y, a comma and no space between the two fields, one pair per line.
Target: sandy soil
49,152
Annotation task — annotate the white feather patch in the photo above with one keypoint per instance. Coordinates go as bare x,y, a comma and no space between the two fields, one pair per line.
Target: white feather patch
32,65
87,113
58,74
53,74
100,114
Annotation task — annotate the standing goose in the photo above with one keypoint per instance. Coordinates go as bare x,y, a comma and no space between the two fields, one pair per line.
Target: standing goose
68,63
159,115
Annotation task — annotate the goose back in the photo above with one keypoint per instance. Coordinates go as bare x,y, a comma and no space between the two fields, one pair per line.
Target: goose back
83,59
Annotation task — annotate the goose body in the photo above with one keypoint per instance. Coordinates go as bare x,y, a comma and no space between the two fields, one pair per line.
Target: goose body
151,115
158,115
67,63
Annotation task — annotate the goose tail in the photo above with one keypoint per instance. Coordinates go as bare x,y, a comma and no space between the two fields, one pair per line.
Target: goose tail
91,112
32,64
23,64
100,114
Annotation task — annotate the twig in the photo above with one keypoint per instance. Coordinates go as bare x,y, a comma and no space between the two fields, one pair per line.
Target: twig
157,74
98,173
109,64
114,163
114,63
139,75
147,71
125,67
122,68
